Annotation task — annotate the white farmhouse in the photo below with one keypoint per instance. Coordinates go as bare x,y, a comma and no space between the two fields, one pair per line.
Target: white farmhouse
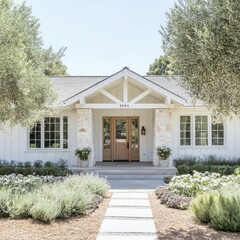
125,117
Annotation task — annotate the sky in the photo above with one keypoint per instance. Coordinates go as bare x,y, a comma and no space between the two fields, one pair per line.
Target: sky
103,36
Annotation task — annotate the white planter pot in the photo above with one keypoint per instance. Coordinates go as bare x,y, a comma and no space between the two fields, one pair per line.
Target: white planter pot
84,163
164,163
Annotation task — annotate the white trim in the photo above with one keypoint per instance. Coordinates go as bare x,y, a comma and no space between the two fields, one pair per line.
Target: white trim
193,145
125,89
167,100
122,74
124,106
110,96
139,97
42,148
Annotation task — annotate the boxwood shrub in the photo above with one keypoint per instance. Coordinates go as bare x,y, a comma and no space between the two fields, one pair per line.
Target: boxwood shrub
211,163
37,168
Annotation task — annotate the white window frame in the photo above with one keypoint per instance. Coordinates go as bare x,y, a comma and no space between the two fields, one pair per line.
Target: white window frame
43,135
192,121
179,127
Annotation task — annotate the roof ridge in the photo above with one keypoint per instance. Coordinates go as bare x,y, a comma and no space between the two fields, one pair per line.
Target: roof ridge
161,76
55,76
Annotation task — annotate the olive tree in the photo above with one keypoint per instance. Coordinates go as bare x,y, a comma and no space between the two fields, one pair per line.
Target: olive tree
26,94
202,38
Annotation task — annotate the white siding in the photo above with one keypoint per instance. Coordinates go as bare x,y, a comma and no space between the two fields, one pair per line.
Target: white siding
14,144
232,137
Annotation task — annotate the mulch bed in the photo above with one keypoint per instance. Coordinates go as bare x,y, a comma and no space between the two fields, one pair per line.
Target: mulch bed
174,224
74,228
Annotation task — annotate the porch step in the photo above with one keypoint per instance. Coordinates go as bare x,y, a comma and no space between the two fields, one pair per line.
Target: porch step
131,172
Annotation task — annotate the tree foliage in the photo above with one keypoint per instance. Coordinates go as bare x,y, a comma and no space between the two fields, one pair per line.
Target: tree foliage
161,66
25,92
203,39
53,63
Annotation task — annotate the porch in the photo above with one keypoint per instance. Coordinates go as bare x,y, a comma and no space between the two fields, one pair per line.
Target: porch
129,175
127,170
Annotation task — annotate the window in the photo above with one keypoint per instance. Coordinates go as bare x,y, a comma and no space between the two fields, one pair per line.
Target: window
201,130
65,132
204,131
185,130
51,133
217,134
35,136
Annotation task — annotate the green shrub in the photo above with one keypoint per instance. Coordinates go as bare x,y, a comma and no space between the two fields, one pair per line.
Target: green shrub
5,202
89,182
43,171
191,185
38,164
201,205
19,183
49,164
6,170
60,199
27,164
221,209
207,160
20,205
171,199
183,169
185,160
237,171
167,179
45,210
200,167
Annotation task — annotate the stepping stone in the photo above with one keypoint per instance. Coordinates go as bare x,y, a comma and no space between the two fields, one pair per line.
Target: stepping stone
128,212
129,202
130,195
103,236
127,226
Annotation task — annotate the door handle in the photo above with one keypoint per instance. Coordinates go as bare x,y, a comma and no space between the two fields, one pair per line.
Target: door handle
127,145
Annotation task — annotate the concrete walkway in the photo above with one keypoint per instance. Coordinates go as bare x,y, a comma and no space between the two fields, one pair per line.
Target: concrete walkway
128,217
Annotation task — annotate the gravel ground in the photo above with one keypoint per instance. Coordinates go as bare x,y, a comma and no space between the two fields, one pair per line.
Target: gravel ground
177,224
74,228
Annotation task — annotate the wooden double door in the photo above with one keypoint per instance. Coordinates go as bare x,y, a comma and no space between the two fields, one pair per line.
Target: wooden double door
120,138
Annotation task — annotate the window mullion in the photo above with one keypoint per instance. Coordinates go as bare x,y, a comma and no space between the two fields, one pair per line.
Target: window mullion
61,132
43,133
193,132
209,130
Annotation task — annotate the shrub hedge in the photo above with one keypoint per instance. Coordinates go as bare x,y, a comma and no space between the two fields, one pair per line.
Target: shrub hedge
211,163
37,168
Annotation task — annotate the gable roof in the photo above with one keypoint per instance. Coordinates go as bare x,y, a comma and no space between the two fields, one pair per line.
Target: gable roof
71,88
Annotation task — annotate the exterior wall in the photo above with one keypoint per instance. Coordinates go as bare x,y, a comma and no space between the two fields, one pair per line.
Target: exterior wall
145,119
14,144
232,137
162,132
85,131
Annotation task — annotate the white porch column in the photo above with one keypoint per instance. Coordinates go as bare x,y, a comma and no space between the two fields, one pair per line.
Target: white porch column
162,132
85,131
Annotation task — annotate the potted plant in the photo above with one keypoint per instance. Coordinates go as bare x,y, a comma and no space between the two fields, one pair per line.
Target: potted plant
163,154
83,155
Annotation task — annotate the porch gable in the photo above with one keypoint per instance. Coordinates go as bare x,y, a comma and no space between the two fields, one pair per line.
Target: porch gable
125,89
